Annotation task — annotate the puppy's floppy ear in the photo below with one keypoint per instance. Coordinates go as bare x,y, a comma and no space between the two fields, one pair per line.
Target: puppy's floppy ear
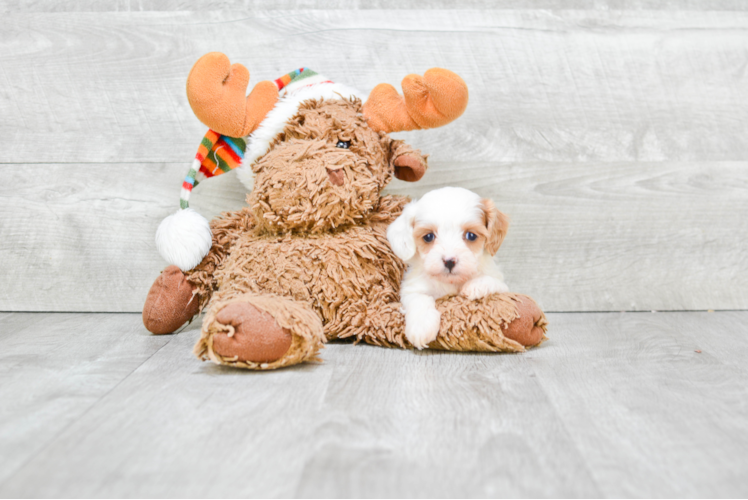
400,233
408,163
497,224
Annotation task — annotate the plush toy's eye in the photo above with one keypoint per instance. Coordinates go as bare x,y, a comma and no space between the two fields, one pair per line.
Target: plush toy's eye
428,238
471,236
343,144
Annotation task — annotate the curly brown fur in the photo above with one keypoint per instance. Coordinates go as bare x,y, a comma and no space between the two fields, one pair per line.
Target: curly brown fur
466,325
292,192
478,325
351,280
342,274
226,230
313,253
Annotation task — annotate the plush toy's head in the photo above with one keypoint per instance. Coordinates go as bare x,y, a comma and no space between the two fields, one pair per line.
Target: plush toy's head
317,156
326,169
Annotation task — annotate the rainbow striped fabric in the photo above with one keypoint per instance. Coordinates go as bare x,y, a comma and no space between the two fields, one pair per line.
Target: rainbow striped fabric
216,155
294,76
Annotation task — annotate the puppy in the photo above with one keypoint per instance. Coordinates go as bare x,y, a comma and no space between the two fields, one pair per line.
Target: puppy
448,239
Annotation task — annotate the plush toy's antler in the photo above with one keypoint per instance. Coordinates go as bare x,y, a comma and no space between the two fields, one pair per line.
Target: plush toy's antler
217,90
431,100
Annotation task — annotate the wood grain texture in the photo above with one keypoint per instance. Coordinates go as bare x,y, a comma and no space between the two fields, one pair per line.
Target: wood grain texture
639,393
614,404
619,236
15,6
54,368
611,132
546,85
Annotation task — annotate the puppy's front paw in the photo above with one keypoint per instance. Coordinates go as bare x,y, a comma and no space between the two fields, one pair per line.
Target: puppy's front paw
480,287
423,329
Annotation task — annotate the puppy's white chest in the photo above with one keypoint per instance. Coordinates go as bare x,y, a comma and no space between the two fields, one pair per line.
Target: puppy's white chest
443,289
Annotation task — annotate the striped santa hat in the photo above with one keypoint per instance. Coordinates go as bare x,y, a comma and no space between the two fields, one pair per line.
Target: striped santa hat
185,238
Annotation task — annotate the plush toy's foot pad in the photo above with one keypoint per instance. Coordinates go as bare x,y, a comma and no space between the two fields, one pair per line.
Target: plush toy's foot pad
526,329
259,332
257,337
170,302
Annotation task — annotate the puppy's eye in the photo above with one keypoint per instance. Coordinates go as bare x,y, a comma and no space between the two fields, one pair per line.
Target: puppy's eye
428,238
343,144
471,236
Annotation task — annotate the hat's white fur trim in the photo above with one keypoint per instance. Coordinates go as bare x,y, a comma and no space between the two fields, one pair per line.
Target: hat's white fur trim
259,141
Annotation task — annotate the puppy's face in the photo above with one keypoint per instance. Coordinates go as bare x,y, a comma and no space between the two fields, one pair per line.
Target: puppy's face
450,251
449,230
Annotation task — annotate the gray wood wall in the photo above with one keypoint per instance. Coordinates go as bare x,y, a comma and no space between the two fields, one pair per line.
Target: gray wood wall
613,133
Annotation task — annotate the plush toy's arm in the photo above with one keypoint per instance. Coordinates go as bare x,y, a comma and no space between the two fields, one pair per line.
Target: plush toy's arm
407,163
226,229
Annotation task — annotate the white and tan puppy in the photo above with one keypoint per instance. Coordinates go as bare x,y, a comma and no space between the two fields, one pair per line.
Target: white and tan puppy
448,239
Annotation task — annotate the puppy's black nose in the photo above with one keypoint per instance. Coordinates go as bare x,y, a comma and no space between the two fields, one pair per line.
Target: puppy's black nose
450,264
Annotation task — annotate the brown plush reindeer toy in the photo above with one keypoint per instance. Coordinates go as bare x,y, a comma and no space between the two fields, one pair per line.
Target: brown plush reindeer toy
308,259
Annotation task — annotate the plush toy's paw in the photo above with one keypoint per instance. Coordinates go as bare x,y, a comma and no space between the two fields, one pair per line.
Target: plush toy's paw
260,332
257,337
170,302
526,329
480,287
421,329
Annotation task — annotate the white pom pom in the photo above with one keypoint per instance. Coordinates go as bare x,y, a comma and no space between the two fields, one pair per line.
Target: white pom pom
184,238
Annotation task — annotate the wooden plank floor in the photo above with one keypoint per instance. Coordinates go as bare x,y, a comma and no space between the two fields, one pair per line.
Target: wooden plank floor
615,404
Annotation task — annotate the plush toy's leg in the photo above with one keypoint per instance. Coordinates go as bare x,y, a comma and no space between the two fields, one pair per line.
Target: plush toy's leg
260,332
499,322
171,302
